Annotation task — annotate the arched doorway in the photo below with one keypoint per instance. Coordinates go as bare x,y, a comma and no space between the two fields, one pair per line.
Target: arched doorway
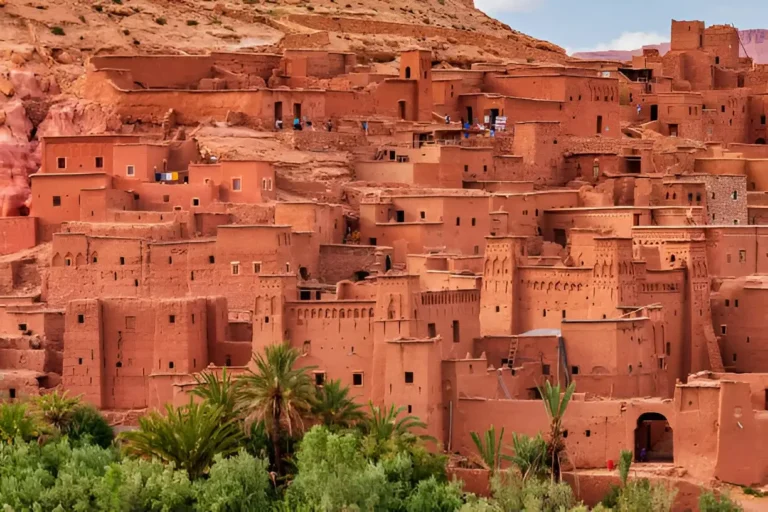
387,264
653,438
760,141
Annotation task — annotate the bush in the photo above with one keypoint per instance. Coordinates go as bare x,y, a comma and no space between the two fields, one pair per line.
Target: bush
87,425
709,502
16,423
334,475
512,493
161,21
233,482
192,23
57,31
642,496
433,496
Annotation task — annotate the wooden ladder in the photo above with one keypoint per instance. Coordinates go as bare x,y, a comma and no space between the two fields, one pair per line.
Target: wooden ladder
513,344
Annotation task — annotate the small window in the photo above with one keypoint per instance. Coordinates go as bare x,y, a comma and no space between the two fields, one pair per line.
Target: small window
81,319
68,262
466,168
736,303
211,259
79,360
22,327
171,319
257,267
122,260
574,370
485,168
734,195
545,369
357,379
723,329
456,331
237,184
170,365
130,170
61,163
458,221
319,378
409,377
498,309
99,162
195,201
235,268
431,330
742,256
423,215
474,221
170,260
288,267
410,409
95,259
56,200
563,313
12,393
669,348
588,433
727,302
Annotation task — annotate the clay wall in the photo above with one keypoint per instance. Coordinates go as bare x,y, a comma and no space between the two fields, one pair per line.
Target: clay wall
56,198
159,71
597,431
325,221
168,197
251,64
723,42
337,337
98,205
616,220
726,197
725,116
687,35
683,111
83,154
140,162
17,234
237,181
758,120
546,296
342,262
150,231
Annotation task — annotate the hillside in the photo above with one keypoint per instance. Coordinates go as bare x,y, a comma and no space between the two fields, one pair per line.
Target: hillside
755,45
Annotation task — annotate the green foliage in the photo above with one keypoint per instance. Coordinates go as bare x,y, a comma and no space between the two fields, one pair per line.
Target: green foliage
118,2
751,491
88,425
334,475
512,493
433,496
16,423
642,496
192,23
237,483
556,405
611,499
277,394
625,463
388,425
57,31
188,437
57,408
161,21
219,392
334,407
530,453
709,502
490,448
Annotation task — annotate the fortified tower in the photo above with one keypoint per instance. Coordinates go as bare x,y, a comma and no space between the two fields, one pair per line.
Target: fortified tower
417,65
497,312
613,277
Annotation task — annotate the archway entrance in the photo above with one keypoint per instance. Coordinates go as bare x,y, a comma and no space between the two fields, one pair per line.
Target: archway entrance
387,264
760,141
653,438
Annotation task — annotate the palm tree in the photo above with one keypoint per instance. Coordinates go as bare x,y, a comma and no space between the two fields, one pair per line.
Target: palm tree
277,394
530,453
189,437
386,425
220,392
334,407
490,448
57,408
556,406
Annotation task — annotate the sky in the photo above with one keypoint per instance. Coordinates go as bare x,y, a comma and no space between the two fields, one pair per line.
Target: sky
596,25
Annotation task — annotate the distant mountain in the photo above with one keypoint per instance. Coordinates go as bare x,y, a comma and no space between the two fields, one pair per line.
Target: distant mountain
755,42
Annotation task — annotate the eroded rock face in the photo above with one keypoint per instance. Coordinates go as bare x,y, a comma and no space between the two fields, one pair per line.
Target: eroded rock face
78,117
17,161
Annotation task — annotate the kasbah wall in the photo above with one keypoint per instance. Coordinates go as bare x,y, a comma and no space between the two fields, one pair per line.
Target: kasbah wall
559,235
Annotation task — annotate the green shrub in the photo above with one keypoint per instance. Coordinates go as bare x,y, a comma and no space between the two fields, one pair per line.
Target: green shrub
511,492
57,31
192,23
88,425
233,482
161,21
642,496
433,496
119,2
709,502
98,8
17,423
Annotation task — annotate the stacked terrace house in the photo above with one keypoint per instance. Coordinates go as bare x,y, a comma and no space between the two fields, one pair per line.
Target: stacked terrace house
612,232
